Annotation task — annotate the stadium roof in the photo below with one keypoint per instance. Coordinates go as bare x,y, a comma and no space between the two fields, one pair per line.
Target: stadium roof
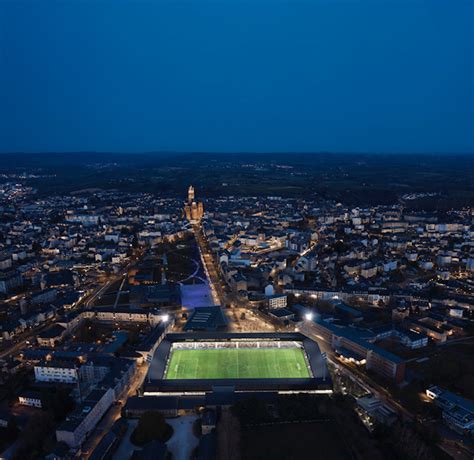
155,383
282,313
206,319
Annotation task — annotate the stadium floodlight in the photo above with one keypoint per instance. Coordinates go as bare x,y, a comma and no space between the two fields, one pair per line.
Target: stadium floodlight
165,318
308,316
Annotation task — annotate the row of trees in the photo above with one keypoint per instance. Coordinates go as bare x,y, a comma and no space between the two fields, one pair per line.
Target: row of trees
296,407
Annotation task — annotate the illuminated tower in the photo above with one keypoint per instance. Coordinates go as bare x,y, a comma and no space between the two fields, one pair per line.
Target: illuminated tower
193,211
190,194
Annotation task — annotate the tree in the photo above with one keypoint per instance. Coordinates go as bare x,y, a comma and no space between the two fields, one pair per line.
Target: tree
435,291
12,428
33,436
409,443
250,411
57,402
396,276
9,433
340,247
151,426
36,246
298,407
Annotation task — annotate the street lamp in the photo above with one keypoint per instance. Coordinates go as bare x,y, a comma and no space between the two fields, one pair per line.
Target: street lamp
165,318
308,316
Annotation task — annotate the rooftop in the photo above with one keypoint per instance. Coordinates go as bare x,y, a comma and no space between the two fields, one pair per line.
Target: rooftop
206,319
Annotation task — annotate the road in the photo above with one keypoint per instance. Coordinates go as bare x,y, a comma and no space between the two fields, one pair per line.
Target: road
224,295
97,294
12,350
455,451
120,291
113,414
215,282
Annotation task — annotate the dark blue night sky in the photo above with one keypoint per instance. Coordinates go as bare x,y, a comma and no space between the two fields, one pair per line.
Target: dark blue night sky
237,75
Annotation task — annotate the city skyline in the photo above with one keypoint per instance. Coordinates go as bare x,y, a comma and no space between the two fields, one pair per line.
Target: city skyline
129,316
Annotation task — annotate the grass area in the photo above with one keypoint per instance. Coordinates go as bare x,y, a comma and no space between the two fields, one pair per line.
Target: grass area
182,259
233,363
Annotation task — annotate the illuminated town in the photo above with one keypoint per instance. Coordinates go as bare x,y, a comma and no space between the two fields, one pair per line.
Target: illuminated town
236,230
120,305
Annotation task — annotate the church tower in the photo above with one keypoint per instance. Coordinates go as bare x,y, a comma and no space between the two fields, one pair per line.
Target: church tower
193,211
190,194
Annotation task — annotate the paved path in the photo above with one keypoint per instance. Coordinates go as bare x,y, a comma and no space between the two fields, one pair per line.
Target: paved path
126,448
113,414
183,440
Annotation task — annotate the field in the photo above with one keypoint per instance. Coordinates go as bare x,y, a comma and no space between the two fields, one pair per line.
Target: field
234,363
353,179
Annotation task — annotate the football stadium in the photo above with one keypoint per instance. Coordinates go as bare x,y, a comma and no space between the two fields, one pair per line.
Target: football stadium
237,363
198,363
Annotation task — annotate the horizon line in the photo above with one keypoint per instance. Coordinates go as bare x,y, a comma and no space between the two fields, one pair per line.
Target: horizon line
220,152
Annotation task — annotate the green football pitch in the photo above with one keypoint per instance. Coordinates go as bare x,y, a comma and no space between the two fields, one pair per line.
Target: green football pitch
235,363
